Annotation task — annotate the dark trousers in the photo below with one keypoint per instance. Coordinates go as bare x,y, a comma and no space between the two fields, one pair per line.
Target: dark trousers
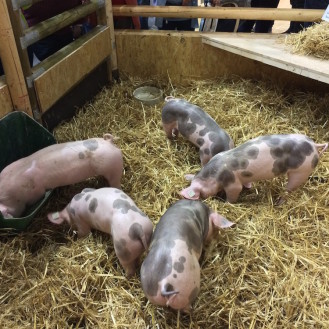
259,26
315,4
226,25
144,20
184,25
295,27
46,47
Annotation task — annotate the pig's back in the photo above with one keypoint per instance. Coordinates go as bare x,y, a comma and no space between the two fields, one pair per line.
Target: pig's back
269,156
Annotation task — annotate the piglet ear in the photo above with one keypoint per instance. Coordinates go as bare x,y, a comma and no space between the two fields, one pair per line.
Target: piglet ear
55,218
189,177
189,193
219,221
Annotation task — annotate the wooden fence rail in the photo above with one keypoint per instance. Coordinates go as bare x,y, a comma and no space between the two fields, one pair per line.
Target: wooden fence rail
30,88
26,85
53,24
280,14
21,3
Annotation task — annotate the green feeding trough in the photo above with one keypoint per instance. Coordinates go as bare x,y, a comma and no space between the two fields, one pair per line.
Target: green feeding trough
20,136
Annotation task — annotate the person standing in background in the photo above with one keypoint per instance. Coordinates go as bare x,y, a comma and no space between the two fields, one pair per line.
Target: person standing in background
256,25
179,24
126,22
295,27
41,11
314,4
144,20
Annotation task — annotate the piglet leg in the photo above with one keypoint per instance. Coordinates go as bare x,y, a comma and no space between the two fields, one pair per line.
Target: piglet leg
232,192
295,179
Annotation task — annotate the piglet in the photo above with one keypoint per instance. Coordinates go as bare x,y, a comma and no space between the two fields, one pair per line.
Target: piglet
170,273
25,181
111,211
260,158
180,116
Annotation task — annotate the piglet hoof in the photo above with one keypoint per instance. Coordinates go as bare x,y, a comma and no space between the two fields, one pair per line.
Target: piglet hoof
279,201
130,271
174,133
129,275
187,309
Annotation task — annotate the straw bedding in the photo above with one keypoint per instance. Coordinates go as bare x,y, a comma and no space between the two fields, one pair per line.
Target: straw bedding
269,271
311,41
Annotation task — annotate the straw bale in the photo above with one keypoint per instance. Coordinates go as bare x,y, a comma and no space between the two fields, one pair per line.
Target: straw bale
269,271
311,41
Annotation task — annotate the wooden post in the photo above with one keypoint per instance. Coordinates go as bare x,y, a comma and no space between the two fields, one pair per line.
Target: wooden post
24,59
11,63
5,100
106,18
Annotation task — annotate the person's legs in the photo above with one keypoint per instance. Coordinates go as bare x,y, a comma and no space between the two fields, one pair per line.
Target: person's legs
48,46
144,20
247,25
184,25
225,25
266,26
314,4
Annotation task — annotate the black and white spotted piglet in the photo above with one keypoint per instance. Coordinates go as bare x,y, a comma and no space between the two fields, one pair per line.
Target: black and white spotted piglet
170,273
111,211
180,116
260,158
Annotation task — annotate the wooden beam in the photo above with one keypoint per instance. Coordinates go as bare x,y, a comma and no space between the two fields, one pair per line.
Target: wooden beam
17,4
105,17
182,57
53,24
16,22
6,106
270,49
278,14
59,75
12,64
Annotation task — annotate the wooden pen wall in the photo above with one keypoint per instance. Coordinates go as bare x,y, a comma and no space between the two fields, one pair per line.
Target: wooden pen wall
36,89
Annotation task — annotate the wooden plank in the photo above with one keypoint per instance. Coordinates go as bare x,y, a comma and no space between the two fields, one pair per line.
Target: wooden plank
150,53
6,106
105,17
21,3
55,82
12,64
278,14
16,22
55,23
270,49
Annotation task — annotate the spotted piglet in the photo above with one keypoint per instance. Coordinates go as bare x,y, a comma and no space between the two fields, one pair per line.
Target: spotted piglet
25,181
260,158
170,274
180,116
111,211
